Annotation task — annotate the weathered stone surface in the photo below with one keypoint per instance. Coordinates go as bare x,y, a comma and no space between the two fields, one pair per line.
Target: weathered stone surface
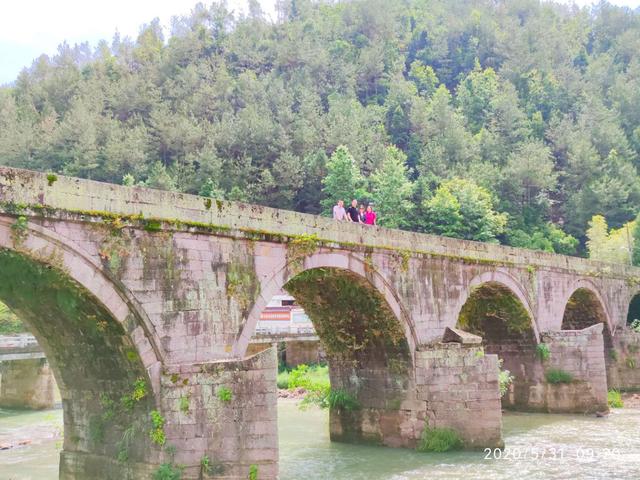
151,283
27,384
623,360
455,335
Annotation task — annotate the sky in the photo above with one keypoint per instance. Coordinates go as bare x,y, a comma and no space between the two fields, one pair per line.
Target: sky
29,28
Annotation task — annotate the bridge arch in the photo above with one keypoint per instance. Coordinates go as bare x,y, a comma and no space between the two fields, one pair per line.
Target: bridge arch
368,340
497,308
508,282
633,308
348,262
105,361
583,306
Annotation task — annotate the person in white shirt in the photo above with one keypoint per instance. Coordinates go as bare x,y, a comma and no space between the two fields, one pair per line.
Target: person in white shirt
339,213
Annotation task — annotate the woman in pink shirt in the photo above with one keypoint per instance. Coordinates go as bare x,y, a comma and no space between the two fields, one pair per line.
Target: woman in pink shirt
370,216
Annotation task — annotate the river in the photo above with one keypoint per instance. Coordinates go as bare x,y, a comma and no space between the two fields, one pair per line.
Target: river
537,447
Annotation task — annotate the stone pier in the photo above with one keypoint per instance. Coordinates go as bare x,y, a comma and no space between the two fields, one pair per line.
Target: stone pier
27,384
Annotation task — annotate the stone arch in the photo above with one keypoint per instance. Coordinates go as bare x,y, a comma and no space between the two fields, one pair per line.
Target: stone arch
633,308
497,308
587,291
106,362
507,281
367,339
286,270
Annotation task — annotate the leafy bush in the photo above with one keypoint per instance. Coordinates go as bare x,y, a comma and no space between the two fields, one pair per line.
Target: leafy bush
253,472
542,350
614,399
504,379
311,378
225,394
555,376
439,440
635,325
283,379
167,471
9,322
157,433
342,400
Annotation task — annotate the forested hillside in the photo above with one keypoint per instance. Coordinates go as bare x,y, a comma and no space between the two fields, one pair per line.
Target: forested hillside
497,120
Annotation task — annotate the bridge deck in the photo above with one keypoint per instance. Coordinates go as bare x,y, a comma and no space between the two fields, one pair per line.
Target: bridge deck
86,197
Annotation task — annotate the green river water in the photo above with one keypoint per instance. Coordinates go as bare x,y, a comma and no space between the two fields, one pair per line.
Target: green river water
537,447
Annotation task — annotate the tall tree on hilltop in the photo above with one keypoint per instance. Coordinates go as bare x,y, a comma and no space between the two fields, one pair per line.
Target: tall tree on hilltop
343,180
392,189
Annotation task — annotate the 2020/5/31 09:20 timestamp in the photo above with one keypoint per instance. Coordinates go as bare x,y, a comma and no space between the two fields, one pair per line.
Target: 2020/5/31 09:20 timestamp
548,453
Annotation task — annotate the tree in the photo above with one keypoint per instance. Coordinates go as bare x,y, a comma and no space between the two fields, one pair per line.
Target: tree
343,180
635,260
392,189
615,245
459,208
159,178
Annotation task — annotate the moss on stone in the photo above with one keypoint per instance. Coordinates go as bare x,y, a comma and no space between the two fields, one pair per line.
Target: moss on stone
493,301
89,351
348,313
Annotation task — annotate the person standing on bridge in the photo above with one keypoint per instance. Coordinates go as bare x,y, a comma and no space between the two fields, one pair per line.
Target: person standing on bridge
352,212
339,212
370,216
362,215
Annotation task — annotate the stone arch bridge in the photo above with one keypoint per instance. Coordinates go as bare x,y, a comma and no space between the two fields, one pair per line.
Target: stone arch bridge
144,302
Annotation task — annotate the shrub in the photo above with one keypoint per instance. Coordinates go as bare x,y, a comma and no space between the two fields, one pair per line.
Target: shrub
311,378
157,432
225,394
439,440
167,471
283,379
635,325
555,376
631,362
504,379
614,399
542,350
342,400
253,472
9,322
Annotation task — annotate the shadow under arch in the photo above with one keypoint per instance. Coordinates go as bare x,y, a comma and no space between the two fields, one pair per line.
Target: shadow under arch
633,310
368,352
104,382
341,261
584,307
510,284
496,310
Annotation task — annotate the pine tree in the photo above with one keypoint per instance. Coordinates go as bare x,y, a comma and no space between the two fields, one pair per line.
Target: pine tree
343,180
392,189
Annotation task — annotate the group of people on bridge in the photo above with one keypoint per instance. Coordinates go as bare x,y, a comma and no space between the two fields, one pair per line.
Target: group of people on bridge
354,214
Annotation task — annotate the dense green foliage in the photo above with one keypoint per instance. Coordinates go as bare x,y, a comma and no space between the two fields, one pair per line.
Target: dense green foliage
614,399
9,322
309,377
556,375
439,440
534,105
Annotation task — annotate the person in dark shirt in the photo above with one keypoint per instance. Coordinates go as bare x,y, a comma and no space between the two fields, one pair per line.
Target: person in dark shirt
352,212
362,215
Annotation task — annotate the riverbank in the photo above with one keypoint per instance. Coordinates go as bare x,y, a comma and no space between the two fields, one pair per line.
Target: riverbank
631,400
